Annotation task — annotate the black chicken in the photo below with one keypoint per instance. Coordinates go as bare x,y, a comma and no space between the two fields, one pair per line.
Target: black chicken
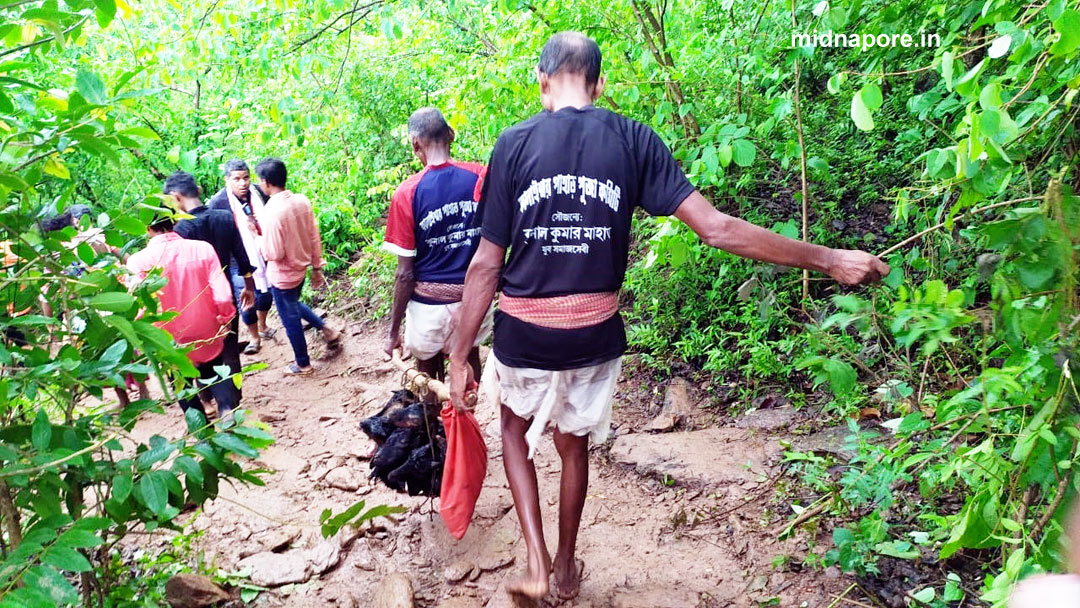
410,445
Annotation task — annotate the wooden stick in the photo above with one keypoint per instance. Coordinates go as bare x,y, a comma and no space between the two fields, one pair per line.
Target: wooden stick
840,598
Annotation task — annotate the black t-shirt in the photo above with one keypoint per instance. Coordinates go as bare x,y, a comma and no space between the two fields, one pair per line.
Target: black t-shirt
560,193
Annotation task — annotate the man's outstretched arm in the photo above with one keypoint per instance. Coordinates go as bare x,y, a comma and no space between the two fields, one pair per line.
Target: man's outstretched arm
720,230
480,284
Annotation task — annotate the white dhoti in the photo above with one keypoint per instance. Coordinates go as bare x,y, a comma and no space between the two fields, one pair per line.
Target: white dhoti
574,401
427,328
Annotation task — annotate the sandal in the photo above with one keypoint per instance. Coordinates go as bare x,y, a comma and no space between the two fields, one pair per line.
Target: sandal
268,334
252,348
296,370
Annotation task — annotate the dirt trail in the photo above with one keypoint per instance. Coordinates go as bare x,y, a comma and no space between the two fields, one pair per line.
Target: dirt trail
645,543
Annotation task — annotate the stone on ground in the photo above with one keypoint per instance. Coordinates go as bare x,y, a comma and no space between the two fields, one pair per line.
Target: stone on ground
343,478
394,591
677,407
710,456
768,420
194,591
276,569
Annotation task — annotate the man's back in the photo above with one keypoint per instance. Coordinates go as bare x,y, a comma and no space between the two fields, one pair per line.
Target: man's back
218,228
291,241
560,194
196,289
431,217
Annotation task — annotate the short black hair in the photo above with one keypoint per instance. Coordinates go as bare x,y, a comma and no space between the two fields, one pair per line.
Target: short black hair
162,223
273,171
428,124
57,222
182,183
571,52
236,164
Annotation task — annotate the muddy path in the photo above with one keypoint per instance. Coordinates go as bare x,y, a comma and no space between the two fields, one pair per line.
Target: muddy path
675,519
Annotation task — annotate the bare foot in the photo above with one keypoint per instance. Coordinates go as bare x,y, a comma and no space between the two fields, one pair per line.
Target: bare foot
567,577
533,584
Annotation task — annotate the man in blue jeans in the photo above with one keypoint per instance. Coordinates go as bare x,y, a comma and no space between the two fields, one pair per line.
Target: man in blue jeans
290,244
245,202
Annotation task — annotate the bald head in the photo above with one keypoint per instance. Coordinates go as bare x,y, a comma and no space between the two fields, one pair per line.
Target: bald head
429,127
571,53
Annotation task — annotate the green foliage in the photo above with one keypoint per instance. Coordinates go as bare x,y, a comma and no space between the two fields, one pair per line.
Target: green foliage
72,481
354,516
970,145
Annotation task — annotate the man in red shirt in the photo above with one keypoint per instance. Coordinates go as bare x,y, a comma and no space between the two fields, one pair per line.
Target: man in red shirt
201,295
430,229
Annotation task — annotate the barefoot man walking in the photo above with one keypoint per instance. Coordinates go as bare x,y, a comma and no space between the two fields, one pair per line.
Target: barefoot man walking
559,195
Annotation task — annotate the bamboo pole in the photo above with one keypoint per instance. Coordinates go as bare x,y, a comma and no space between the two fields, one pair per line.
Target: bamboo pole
421,382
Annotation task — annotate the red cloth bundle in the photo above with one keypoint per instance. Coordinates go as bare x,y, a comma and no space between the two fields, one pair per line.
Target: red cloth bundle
464,471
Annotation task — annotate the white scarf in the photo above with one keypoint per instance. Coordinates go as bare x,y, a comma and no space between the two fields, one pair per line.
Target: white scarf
250,244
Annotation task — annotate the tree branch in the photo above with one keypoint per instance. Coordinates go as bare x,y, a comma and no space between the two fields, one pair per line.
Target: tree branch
31,45
919,235
322,30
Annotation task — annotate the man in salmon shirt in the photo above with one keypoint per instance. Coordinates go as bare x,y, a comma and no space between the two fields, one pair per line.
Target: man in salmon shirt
198,290
290,244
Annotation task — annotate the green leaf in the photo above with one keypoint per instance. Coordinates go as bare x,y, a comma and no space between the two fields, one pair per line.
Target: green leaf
56,168
1068,27
743,152
1000,46
925,595
114,353
190,468
1035,275
129,224
79,539
41,431
65,558
860,113
842,376
724,154
966,84
232,443
106,10
121,487
835,82
818,164
98,147
112,301
51,583
90,87
189,160
711,159
871,96
153,492
143,132
990,97
947,61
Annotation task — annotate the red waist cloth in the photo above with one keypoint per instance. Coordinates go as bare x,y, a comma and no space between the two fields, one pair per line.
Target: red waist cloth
562,312
439,292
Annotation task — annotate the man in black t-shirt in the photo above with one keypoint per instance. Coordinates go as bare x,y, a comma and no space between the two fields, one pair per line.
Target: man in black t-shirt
555,220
